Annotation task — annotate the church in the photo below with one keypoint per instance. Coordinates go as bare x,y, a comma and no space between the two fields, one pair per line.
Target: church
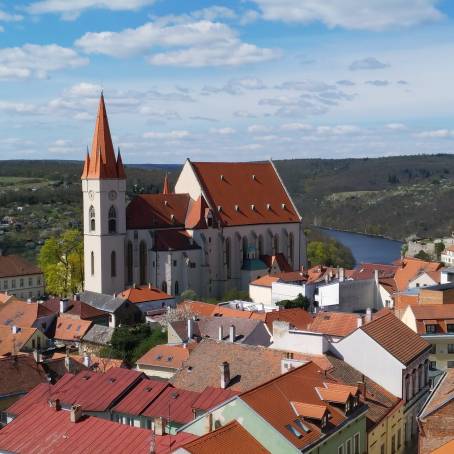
224,225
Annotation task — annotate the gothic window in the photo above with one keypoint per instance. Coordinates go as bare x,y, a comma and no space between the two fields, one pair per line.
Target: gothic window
113,264
91,217
92,263
112,220
276,244
177,288
261,249
164,286
228,261
291,247
245,246
129,262
143,262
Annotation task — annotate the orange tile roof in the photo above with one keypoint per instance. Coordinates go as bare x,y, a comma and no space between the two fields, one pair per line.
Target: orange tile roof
433,311
13,342
246,192
232,438
265,281
144,293
101,163
21,313
166,186
196,216
336,393
447,448
4,298
410,268
14,265
297,317
388,331
70,329
334,323
197,308
279,260
168,356
309,410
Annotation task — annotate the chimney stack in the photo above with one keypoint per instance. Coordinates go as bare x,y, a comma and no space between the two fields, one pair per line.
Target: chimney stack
341,274
15,329
149,285
64,305
87,360
220,333
359,322
190,328
67,362
76,413
362,388
232,334
225,374
368,317
37,356
376,276
55,404
160,425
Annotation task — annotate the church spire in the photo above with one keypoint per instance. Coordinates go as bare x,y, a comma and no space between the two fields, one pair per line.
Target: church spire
166,187
102,163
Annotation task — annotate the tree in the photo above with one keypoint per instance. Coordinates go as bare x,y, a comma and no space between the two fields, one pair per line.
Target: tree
188,294
330,253
439,248
61,260
300,301
423,256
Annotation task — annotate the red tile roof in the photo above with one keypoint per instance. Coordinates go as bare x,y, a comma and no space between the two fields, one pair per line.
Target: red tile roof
334,323
232,438
265,281
149,211
174,240
309,410
410,268
144,293
279,260
101,163
297,317
137,400
13,342
367,271
42,429
14,265
210,397
71,329
176,402
166,186
168,356
196,216
389,332
253,187
20,313
75,308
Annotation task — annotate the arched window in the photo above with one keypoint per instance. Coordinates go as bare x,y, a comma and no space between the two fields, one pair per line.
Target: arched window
261,250
112,219
92,263
129,262
164,286
228,261
291,247
143,262
177,288
113,264
245,246
276,244
92,219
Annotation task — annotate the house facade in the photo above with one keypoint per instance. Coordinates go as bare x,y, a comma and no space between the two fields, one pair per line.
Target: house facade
211,235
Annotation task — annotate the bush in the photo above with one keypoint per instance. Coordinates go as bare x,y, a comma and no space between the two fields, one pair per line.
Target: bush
300,301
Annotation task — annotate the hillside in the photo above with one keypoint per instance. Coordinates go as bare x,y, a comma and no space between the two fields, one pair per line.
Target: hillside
394,196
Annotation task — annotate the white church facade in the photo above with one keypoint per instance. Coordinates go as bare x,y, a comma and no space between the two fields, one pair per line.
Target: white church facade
224,225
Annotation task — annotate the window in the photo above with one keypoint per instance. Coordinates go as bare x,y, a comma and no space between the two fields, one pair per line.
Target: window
430,329
450,328
33,343
13,283
175,263
92,263
129,262
340,449
293,431
393,444
228,264
261,249
276,244
113,264
245,246
112,219
38,281
348,446
290,249
399,437
432,365
177,288
356,444
5,284
450,348
143,262
382,449
92,218
450,364
21,282
164,286
30,281
433,349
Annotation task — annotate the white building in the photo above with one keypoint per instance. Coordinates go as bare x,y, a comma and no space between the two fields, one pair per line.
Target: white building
447,256
214,233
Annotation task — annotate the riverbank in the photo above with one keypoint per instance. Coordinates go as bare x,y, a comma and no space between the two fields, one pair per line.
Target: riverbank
319,227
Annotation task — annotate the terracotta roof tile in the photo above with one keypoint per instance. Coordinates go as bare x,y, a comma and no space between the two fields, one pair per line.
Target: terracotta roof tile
310,410
410,268
442,394
13,342
279,260
22,314
334,323
144,293
75,308
170,356
210,397
70,329
265,281
297,317
447,448
14,265
388,331
174,240
231,438
196,216
367,271
254,187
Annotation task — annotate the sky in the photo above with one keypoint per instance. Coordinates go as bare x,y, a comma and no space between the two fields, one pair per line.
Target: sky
227,80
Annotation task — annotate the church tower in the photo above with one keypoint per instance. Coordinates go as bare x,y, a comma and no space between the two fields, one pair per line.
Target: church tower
104,205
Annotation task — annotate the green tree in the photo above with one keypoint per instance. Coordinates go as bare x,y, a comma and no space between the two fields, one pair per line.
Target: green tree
423,256
189,294
300,301
61,260
439,248
330,253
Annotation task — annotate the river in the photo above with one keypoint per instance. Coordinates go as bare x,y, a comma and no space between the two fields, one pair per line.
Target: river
366,248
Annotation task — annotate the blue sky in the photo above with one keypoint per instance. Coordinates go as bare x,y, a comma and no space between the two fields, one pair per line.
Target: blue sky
227,80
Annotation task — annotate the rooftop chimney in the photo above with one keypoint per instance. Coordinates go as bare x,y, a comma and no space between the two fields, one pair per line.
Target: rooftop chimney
359,322
75,413
368,317
190,328
77,296
341,274
232,334
376,276
15,329
67,362
362,388
64,305
149,285
87,360
225,374
160,425
220,333
55,404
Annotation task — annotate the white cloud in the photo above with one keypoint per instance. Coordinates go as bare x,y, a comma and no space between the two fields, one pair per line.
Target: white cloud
32,60
18,107
171,135
296,127
7,17
352,14
436,134
396,126
367,63
2,29
236,86
254,129
377,83
337,130
71,9
223,131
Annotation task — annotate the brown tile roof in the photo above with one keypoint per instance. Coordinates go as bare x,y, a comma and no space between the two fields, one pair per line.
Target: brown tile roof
210,397
309,410
265,281
389,332
433,311
5,297
207,310
19,374
151,211
174,240
334,323
447,448
101,163
410,268
14,265
13,342
297,317
442,394
22,314
70,329
144,293
197,308
389,284
169,356
232,438
249,366
76,308
367,271
254,187
196,216
273,402
279,260
292,276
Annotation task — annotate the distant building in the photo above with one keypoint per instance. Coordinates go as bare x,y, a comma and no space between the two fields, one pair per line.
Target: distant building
21,278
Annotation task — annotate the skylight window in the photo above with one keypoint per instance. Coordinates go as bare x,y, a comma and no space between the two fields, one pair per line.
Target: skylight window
302,426
69,326
294,431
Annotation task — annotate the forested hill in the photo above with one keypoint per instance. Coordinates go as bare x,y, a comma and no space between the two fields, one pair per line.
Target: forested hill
393,196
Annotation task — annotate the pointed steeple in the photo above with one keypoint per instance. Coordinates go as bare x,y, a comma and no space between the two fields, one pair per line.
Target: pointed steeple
102,162
166,187
120,167
86,166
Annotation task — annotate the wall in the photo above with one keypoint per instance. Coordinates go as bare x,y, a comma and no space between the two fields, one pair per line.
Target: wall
260,294
382,434
24,287
428,296
423,280
440,343
156,371
283,291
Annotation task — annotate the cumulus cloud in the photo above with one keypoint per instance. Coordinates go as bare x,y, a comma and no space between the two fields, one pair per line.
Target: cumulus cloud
236,86
396,126
367,63
254,129
296,127
32,60
7,17
377,83
170,135
352,14
71,9
436,134
223,131
18,107
197,43
345,83
337,130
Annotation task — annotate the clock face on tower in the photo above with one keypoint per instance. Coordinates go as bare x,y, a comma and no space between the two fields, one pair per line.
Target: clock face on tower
91,195
112,195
